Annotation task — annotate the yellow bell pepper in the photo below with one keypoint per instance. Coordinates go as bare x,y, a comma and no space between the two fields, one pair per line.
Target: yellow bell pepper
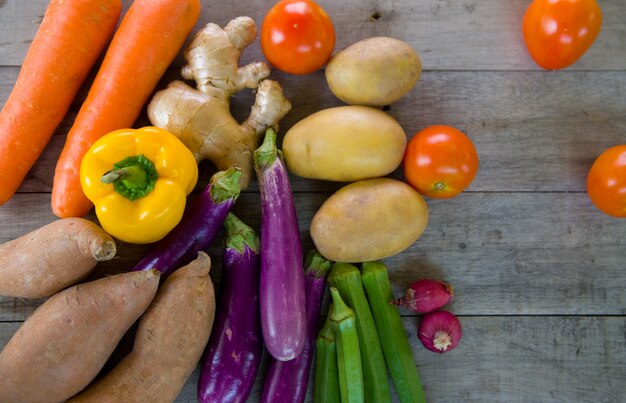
138,181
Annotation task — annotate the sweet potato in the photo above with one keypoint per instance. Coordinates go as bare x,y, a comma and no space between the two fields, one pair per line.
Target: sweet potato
63,345
169,342
53,257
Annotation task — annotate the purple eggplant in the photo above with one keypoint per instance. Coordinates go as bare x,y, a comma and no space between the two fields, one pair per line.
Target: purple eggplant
283,317
287,381
233,354
198,227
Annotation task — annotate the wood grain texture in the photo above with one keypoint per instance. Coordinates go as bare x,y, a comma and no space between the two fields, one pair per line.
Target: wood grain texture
527,137
449,35
539,273
505,253
502,359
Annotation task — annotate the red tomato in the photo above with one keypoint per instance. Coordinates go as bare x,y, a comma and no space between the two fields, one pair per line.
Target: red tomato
440,162
297,36
558,32
606,182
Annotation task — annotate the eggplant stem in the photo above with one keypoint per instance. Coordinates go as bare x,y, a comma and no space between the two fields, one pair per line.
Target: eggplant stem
316,265
225,185
266,154
239,235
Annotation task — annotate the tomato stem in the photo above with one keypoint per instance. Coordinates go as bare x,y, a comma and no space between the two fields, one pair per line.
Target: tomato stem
439,187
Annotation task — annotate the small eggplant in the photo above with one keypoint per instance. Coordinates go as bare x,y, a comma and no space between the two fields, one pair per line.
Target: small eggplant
287,381
233,354
283,316
198,227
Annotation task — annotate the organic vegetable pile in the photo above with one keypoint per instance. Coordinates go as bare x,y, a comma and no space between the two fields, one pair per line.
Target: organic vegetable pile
271,293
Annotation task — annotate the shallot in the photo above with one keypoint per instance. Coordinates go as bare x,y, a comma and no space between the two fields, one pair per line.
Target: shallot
426,295
440,331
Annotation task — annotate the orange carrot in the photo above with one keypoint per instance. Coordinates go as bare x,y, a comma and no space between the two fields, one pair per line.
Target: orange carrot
149,37
67,45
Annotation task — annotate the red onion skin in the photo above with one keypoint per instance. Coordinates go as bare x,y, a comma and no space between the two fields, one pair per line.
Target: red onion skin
438,326
426,295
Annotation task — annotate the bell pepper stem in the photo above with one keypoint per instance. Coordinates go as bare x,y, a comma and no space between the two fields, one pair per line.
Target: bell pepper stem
133,177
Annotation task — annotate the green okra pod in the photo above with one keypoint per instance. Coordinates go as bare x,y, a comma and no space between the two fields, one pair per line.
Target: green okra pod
348,355
347,279
393,337
326,372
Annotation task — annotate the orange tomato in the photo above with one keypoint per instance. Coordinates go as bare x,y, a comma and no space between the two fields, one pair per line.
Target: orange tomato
297,36
558,32
606,182
440,162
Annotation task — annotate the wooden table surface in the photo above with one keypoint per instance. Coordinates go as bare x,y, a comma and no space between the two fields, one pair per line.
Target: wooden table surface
539,272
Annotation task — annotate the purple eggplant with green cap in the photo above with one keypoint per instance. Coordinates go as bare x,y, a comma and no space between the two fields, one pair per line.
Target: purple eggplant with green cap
233,354
198,228
283,316
287,381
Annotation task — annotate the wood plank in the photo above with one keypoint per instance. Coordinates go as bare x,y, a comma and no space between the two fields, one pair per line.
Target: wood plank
527,138
449,35
538,271
506,254
525,359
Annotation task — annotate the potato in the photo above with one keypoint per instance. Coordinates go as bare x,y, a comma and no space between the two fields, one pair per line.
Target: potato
375,71
369,220
344,144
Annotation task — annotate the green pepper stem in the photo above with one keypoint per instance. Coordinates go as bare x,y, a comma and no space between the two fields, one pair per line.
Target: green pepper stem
133,177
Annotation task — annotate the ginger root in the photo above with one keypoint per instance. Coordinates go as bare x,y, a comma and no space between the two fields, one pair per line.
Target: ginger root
201,117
